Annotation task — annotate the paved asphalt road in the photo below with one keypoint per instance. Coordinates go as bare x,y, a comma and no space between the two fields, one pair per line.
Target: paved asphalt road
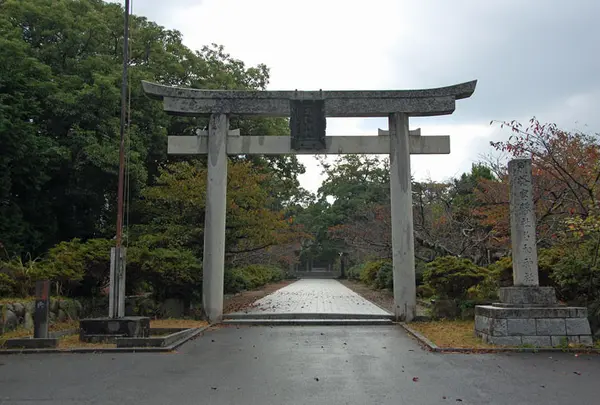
300,365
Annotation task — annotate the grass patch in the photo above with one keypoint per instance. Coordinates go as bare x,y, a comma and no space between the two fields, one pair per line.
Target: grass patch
243,300
445,333
54,327
461,334
30,298
22,332
10,300
72,342
177,323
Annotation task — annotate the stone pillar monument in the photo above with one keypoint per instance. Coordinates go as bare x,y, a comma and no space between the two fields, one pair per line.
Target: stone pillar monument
527,313
522,224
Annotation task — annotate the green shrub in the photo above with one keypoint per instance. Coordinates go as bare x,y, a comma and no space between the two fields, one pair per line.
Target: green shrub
234,281
577,276
353,273
547,259
6,285
18,276
420,267
485,291
385,276
258,275
250,277
451,277
425,291
370,270
82,268
171,273
501,271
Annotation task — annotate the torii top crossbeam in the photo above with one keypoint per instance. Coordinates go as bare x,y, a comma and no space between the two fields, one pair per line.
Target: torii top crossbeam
369,103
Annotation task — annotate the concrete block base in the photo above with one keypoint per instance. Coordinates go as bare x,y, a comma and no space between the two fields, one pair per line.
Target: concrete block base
107,329
159,341
536,326
531,295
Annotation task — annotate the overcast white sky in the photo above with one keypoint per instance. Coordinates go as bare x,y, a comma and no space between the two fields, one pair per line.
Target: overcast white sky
532,58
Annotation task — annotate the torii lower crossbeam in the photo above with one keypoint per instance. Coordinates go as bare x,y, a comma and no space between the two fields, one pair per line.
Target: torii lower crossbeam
281,145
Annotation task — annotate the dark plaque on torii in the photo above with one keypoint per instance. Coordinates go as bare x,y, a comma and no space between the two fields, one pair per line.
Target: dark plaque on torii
308,124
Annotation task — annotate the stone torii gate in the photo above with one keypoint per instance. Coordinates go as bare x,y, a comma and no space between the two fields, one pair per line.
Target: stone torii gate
308,111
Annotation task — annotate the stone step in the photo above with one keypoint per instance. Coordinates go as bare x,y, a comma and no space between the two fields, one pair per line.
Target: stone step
99,338
300,315
318,275
308,322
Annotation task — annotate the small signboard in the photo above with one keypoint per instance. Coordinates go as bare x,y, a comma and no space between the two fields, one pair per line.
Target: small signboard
308,124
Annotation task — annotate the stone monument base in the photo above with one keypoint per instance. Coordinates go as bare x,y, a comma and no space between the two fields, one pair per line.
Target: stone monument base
108,329
531,316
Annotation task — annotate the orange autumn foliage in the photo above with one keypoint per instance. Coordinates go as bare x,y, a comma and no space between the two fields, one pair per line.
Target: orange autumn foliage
566,173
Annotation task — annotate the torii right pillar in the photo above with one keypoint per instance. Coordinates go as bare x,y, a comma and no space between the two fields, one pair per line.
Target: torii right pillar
403,243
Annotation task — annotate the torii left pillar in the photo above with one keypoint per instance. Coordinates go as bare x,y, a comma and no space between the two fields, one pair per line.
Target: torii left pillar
215,217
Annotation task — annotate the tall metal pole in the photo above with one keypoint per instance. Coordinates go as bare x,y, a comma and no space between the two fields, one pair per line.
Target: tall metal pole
123,123
116,303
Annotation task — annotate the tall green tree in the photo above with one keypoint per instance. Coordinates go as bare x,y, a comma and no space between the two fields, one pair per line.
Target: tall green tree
60,79
353,183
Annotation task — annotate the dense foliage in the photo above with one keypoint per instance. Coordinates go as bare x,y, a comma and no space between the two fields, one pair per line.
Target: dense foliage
60,78
451,277
252,276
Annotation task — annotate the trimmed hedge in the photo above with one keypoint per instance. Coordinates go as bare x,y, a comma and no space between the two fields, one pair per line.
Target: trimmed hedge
353,273
370,271
548,259
385,276
452,277
250,277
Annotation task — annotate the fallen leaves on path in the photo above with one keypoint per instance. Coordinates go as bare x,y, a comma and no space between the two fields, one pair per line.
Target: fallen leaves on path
245,300
445,333
177,323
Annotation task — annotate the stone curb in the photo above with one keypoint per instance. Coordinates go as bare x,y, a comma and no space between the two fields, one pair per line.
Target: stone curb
429,345
308,322
302,316
61,333
163,341
422,339
99,350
